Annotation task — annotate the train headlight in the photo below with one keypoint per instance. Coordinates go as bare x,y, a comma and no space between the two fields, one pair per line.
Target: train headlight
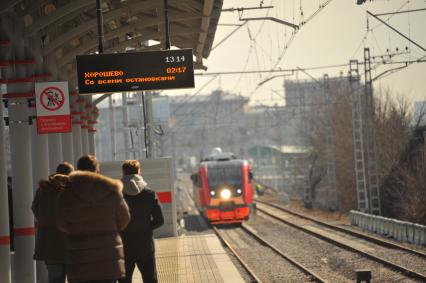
225,194
212,193
239,191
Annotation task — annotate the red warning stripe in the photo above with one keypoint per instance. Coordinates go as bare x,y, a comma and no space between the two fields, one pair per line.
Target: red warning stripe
30,231
17,80
165,197
18,95
5,42
41,76
4,240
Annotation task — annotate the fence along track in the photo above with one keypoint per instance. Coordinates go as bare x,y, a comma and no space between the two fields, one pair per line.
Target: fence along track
408,272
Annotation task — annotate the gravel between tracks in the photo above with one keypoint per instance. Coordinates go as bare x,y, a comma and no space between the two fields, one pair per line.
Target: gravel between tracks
331,262
266,264
403,258
336,218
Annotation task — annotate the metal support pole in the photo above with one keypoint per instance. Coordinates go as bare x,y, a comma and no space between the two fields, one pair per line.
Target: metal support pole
140,127
112,128
145,126
126,129
5,270
40,167
166,24
76,141
100,26
150,125
68,147
91,137
55,152
84,140
20,147
90,133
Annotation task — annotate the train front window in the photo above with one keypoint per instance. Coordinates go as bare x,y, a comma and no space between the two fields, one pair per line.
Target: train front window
219,176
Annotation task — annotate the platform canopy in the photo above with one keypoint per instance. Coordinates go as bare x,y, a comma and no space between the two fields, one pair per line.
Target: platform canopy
68,28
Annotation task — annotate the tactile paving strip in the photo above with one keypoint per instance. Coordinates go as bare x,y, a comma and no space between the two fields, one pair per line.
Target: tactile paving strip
190,259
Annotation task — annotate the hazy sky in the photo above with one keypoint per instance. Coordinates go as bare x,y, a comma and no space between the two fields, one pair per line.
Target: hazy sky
334,36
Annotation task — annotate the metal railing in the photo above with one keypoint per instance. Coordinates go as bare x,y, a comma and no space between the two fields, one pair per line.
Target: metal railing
402,231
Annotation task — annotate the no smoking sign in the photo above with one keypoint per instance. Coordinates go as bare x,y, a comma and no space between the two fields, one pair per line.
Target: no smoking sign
53,108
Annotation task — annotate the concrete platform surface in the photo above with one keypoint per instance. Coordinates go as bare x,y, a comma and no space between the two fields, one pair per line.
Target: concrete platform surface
199,258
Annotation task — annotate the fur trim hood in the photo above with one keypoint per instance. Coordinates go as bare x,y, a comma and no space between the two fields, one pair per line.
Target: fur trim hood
133,184
92,186
55,182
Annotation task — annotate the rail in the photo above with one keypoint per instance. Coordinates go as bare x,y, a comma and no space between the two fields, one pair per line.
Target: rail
408,272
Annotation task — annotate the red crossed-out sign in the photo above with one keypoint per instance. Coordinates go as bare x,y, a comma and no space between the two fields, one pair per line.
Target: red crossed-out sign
53,107
52,98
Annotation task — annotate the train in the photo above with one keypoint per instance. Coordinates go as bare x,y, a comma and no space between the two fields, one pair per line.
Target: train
223,188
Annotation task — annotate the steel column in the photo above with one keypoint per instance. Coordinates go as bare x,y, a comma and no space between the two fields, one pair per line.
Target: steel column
112,128
91,137
68,147
127,147
55,152
40,167
5,270
77,147
84,140
21,168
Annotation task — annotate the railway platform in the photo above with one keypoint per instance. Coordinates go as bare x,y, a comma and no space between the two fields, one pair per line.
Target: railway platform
199,258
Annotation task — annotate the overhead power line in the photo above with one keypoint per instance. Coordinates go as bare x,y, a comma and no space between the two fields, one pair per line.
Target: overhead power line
270,71
397,31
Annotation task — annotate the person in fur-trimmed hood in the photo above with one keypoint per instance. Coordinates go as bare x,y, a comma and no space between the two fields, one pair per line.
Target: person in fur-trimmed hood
50,245
146,216
92,212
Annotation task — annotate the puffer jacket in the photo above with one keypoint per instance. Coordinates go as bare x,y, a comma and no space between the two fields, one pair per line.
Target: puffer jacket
50,243
92,212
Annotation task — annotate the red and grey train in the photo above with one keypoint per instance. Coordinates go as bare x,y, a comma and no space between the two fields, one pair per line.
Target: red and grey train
223,188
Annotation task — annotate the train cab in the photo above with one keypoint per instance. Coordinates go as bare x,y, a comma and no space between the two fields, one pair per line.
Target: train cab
224,188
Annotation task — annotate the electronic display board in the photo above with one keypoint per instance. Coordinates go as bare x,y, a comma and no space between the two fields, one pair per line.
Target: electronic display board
137,71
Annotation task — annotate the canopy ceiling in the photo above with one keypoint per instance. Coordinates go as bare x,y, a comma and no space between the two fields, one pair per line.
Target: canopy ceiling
68,28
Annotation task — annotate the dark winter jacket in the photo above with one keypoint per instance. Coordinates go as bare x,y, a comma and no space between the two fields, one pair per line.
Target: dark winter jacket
146,216
50,243
92,212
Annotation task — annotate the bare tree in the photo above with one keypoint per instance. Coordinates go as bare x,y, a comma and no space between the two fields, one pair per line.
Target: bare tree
401,164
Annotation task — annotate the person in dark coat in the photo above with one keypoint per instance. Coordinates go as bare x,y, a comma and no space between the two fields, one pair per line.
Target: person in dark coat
92,212
50,245
146,216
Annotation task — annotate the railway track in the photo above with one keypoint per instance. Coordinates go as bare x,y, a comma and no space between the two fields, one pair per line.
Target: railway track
310,275
393,256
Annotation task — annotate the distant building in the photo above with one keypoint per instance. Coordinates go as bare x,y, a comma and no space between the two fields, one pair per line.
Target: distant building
196,124
280,167
304,97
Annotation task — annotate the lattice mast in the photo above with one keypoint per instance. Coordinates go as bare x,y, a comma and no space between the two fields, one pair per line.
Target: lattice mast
330,154
357,131
373,180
